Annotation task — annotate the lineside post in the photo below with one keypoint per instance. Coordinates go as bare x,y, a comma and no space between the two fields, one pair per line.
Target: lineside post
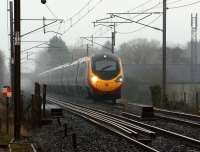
197,102
44,99
164,97
17,69
11,48
7,115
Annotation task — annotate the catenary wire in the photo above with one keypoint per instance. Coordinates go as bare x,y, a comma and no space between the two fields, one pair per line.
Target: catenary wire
141,28
80,10
50,10
185,5
82,17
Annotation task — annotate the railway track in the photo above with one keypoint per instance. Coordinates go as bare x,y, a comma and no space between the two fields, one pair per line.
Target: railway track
187,140
134,133
123,126
180,117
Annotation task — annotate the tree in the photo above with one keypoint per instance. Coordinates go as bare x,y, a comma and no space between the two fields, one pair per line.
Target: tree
2,68
57,54
176,55
141,51
106,48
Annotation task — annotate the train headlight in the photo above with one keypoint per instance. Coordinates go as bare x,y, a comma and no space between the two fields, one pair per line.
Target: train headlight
119,79
94,79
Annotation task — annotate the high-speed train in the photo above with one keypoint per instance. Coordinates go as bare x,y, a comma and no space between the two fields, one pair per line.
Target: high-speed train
99,77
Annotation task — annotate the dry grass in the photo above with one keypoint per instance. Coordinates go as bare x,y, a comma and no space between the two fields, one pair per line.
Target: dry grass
21,147
4,139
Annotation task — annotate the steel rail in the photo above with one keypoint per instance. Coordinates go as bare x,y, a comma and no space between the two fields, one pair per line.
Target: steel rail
179,114
81,111
72,109
130,125
188,140
182,121
166,117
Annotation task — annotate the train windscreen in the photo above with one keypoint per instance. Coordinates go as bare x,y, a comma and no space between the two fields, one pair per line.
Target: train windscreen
105,67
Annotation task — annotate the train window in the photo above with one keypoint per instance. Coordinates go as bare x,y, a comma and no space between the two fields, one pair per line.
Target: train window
105,67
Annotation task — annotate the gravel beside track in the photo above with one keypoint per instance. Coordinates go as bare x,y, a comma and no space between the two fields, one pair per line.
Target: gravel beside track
182,129
90,138
160,142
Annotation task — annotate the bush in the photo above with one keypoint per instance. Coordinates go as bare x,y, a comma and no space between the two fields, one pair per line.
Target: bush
156,95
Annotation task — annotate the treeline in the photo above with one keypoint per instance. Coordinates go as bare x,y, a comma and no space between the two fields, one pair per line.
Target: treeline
2,69
137,51
143,51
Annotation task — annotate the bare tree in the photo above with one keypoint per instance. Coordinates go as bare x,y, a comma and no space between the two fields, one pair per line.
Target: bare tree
2,68
140,51
57,54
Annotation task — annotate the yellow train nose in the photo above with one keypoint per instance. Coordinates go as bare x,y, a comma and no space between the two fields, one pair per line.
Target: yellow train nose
107,86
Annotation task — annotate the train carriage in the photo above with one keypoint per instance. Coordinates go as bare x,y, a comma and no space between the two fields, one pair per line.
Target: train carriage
99,77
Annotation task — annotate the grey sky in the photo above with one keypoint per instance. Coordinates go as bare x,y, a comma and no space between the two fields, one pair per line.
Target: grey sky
178,20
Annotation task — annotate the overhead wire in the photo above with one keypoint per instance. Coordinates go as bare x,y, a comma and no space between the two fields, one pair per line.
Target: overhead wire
173,2
143,11
140,5
80,10
141,28
184,5
50,10
82,17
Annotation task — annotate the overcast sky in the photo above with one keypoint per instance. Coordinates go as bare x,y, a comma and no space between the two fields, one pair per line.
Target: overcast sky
178,20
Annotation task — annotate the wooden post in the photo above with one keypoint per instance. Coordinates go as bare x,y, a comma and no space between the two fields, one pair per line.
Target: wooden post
37,89
197,102
74,141
184,97
33,111
37,104
125,105
7,115
0,125
36,110
44,99
21,107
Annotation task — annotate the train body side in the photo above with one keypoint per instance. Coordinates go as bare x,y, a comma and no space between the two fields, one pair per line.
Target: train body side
78,79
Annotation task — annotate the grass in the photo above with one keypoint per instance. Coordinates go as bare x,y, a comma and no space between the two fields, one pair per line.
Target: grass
4,139
21,147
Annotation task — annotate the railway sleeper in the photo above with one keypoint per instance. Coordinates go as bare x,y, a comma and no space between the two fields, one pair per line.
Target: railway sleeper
191,142
113,124
138,128
179,120
134,116
120,127
178,114
139,144
131,126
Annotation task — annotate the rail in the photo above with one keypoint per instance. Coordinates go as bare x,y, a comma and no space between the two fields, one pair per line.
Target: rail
116,125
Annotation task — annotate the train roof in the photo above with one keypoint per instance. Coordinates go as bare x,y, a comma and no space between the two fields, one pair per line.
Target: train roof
65,65
83,59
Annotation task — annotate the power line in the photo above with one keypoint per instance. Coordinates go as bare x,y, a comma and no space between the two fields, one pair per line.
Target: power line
154,6
50,10
176,1
98,44
141,28
140,5
82,17
185,5
80,10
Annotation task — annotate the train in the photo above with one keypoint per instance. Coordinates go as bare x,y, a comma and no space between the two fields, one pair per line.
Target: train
99,76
